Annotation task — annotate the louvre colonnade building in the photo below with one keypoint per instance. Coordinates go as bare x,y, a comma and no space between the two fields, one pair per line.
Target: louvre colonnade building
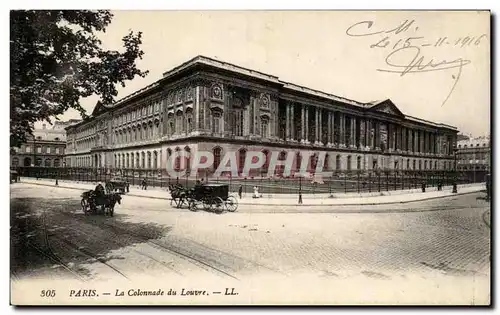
209,105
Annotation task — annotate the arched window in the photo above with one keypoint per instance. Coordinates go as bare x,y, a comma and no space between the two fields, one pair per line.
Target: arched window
349,162
27,161
155,159
414,164
420,164
15,161
217,153
149,160
266,159
177,165
143,160
57,163
407,164
313,161
425,165
436,165
137,160
47,162
242,154
188,158
358,163
337,163
38,162
325,163
299,161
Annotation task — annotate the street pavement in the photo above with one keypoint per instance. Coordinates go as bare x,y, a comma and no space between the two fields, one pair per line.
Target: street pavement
384,197
443,243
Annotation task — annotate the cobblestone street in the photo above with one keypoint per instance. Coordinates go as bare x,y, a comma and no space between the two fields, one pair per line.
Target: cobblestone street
440,240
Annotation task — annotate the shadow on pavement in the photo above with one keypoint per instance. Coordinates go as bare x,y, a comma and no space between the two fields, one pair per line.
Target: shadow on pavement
54,233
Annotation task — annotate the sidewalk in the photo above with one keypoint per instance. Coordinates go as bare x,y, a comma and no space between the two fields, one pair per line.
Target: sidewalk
387,197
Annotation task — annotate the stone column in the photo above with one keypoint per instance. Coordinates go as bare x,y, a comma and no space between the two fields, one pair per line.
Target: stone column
353,132
330,129
292,122
333,128
303,121
316,126
307,124
288,123
377,135
409,143
342,130
320,125
362,133
368,133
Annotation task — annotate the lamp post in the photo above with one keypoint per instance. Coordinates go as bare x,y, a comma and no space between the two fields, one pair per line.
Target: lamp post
454,191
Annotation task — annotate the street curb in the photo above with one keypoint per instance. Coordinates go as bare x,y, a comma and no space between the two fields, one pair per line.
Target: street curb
293,205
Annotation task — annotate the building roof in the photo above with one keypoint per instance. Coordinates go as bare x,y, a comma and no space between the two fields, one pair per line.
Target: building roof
203,60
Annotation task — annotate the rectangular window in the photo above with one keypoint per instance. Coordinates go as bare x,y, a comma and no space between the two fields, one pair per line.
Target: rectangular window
28,149
216,124
48,150
57,150
39,150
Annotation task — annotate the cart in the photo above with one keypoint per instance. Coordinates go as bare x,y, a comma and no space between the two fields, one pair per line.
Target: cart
211,197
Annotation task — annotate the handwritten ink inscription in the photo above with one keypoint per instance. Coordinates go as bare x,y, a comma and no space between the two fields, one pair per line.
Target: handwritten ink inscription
406,53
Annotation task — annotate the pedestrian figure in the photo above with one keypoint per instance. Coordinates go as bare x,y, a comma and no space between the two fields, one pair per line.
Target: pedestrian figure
240,191
300,198
144,184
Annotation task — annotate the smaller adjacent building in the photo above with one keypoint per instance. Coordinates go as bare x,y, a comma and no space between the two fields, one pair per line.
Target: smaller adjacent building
45,148
474,154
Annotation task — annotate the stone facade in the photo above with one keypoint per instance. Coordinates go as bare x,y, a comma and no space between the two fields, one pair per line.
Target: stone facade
210,105
45,148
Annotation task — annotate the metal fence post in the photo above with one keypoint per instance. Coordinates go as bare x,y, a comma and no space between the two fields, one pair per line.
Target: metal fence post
345,183
358,182
370,182
378,182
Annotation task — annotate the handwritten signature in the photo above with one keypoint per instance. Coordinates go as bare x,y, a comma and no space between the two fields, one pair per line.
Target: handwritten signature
418,64
405,51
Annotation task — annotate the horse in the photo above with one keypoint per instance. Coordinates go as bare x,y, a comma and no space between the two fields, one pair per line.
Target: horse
178,194
110,201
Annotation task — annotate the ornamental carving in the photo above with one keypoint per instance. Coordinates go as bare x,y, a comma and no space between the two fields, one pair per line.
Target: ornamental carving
264,99
179,96
217,92
189,93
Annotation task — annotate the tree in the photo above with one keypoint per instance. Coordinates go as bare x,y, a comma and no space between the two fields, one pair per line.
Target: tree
56,60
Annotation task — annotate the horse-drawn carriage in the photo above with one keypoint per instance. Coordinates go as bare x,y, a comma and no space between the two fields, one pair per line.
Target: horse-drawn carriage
117,184
97,203
210,197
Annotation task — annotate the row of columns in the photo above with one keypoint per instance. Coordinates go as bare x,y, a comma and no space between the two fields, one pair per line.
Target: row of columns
149,159
348,131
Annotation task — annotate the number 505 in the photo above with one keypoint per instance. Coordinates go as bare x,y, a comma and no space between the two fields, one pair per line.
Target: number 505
48,293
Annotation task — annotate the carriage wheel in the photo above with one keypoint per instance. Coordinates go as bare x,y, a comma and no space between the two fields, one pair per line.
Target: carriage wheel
177,202
207,203
111,211
193,206
231,204
85,206
218,205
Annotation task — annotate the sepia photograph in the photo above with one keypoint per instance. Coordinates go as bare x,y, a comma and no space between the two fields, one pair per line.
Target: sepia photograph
250,157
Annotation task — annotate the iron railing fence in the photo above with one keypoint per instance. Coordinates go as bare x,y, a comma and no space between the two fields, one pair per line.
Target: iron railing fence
339,182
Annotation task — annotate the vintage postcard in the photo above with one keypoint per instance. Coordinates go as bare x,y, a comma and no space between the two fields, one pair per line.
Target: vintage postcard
250,157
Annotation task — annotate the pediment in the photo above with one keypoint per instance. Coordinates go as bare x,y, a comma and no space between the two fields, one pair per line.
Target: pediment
387,107
99,108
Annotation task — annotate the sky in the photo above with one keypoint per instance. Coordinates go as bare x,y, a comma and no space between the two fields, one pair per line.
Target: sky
318,49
